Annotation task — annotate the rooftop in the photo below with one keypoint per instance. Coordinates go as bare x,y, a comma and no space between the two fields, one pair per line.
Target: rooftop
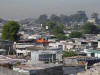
6,60
37,66
41,48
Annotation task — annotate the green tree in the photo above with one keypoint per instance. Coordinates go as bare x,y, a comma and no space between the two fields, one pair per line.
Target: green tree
75,35
69,54
51,25
61,37
55,28
58,31
90,28
10,31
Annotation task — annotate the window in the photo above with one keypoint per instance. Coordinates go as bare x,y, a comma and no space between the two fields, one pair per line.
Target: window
47,57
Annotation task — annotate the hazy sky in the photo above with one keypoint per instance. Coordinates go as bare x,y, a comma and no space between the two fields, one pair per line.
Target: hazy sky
20,9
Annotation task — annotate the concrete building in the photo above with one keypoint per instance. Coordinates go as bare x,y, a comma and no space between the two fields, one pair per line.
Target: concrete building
93,53
92,21
20,48
45,55
99,44
62,44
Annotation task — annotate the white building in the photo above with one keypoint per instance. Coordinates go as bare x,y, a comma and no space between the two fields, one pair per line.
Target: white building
45,55
63,44
92,21
21,48
93,53
36,36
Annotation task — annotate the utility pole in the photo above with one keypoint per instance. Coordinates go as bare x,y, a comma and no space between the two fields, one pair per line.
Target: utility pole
9,50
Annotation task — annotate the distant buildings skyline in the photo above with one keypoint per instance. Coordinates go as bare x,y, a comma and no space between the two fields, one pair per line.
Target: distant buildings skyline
21,9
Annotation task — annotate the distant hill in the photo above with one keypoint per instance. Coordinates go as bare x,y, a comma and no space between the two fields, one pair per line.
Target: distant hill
27,21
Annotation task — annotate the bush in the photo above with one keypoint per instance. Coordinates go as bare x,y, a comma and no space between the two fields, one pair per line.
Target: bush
69,54
75,35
